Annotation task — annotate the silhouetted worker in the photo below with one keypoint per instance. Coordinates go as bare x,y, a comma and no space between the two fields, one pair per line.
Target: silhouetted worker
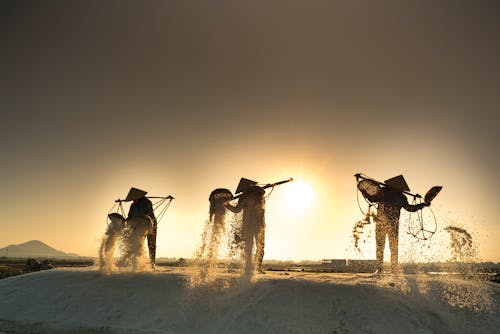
140,207
252,203
390,202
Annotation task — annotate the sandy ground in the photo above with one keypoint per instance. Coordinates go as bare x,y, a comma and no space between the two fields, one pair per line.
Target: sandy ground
178,300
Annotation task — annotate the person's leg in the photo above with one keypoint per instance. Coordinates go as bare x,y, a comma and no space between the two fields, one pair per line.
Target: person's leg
380,233
248,239
393,245
259,247
152,246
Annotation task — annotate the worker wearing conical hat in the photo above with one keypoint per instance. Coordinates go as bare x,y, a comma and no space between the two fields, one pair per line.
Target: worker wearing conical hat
252,203
390,202
140,207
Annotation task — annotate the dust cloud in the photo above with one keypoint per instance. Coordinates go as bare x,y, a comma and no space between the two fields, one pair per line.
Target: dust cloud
461,244
220,251
123,244
110,240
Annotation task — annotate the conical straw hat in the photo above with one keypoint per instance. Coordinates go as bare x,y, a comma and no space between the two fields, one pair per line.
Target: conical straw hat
135,194
244,184
398,183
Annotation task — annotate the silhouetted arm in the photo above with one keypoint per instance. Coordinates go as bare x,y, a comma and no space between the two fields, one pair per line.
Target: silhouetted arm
412,207
233,208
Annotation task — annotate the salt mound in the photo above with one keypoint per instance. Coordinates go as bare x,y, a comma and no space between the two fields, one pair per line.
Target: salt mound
89,301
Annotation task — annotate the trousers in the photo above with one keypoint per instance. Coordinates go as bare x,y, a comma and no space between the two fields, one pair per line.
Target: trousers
389,228
256,234
151,236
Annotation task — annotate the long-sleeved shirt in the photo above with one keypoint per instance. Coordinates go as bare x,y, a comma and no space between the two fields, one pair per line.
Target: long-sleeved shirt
390,204
253,206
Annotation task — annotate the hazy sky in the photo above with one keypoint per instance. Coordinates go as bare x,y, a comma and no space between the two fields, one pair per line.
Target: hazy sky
181,97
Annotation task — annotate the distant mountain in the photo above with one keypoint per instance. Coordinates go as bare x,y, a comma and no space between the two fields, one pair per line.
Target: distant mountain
34,248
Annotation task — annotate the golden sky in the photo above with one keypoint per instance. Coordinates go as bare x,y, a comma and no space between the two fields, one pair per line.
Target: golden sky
182,97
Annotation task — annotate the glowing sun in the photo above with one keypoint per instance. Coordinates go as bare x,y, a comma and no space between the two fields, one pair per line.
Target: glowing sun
299,196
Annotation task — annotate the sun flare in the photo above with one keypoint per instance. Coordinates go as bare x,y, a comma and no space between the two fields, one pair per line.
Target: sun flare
299,196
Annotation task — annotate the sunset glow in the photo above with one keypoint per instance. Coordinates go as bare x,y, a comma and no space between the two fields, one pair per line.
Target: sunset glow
299,196
249,166
181,98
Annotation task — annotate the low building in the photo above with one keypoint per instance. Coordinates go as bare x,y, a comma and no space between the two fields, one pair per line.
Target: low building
348,265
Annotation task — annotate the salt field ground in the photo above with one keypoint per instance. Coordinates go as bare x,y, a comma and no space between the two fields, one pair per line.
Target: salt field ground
179,300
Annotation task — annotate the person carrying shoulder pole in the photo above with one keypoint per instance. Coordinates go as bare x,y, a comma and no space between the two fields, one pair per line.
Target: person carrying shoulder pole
140,207
252,203
390,198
